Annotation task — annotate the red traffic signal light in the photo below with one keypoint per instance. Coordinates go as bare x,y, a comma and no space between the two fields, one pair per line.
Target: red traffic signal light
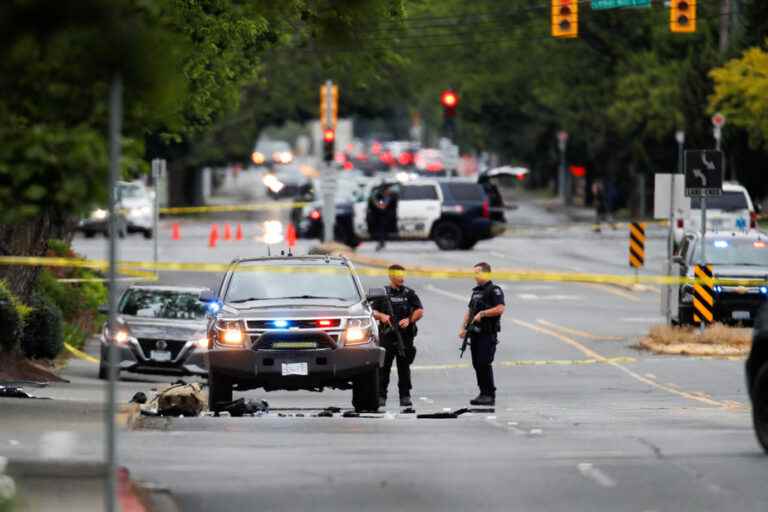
328,135
449,99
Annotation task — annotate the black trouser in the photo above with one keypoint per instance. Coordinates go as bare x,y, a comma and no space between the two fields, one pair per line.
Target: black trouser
483,347
403,365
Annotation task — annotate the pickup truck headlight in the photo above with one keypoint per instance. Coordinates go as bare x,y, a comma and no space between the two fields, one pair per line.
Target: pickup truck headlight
358,331
230,333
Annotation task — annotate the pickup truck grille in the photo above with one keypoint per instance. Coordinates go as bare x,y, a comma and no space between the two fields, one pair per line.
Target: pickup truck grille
295,324
295,330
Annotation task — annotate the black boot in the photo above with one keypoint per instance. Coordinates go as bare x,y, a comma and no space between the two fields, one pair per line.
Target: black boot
405,401
483,400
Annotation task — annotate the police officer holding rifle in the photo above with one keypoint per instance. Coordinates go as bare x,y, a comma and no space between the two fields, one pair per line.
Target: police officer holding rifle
398,317
482,323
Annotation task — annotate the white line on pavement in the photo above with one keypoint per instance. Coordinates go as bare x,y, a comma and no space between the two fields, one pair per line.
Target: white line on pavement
590,471
446,293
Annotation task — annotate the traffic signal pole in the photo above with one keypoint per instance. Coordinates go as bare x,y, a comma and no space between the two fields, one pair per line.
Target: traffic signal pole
329,180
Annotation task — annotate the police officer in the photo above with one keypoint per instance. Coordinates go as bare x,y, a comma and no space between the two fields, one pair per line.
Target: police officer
407,310
486,307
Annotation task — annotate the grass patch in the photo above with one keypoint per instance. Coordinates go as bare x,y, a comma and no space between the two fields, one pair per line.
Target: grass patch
716,340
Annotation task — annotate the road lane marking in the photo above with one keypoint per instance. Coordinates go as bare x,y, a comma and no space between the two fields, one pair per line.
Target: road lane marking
592,354
576,332
446,293
615,291
554,297
524,362
590,471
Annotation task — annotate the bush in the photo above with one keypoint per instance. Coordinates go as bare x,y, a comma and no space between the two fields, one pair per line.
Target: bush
10,320
43,335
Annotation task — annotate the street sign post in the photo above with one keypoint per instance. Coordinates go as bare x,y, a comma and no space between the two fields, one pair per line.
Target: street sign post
703,178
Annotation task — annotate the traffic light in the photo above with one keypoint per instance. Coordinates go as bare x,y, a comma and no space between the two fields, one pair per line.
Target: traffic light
565,18
449,100
682,16
329,139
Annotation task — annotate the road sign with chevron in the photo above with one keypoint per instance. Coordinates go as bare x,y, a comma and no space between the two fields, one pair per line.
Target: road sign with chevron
637,244
703,295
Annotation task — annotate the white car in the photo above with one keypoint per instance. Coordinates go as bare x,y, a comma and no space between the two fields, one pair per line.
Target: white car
137,206
732,212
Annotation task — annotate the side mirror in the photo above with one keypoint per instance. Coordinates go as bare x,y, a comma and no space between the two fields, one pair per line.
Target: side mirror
207,296
103,309
376,294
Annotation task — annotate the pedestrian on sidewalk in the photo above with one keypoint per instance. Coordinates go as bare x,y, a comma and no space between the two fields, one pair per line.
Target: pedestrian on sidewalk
602,206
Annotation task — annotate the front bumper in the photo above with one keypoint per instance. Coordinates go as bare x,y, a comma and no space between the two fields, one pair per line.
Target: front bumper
189,361
264,368
731,307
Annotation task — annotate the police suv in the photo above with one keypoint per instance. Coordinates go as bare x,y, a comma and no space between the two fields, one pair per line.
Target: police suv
454,213
740,267
291,323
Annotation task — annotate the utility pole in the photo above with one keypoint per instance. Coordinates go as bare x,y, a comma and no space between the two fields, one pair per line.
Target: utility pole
110,448
725,26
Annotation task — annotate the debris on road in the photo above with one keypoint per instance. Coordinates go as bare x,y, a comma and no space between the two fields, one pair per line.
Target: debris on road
716,340
179,399
242,406
17,392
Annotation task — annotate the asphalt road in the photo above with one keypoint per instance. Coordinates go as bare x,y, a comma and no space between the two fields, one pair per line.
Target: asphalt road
583,420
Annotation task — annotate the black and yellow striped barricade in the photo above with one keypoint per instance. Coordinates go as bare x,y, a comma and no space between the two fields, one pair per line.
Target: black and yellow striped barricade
637,245
703,295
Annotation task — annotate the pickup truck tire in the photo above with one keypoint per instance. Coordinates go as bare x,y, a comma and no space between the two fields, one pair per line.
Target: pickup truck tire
219,390
365,391
760,407
467,244
447,236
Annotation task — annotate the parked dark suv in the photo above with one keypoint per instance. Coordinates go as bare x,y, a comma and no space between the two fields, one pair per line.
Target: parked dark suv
291,323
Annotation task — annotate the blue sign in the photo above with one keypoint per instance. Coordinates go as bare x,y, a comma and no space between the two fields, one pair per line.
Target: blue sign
616,4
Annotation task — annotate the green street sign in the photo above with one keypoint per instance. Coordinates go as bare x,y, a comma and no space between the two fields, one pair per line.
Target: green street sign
616,4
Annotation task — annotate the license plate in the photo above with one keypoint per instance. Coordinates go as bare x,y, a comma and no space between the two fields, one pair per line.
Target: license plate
741,315
161,356
295,369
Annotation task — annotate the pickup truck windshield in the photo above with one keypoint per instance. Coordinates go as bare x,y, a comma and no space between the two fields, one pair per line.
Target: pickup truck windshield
305,281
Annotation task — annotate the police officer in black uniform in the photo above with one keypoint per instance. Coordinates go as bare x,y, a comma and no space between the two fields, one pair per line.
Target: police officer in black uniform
486,306
407,310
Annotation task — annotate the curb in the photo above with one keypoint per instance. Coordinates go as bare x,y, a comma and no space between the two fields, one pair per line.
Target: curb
690,349
80,354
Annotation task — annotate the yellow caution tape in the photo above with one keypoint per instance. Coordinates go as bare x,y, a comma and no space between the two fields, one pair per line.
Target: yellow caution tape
149,268
80,354
252,207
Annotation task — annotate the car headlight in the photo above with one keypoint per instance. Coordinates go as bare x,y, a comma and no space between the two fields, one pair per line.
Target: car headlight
230,333
358,331
201,341
99,214
121,335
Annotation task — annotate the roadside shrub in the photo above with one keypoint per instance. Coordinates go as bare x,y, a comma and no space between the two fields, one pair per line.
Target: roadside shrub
10,320
43,334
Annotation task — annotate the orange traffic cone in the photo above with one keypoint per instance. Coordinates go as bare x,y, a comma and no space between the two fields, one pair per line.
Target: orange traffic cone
227,232
175,231
290,236
214,236
239,232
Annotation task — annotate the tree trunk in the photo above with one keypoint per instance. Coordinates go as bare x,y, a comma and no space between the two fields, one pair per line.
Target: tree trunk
30,238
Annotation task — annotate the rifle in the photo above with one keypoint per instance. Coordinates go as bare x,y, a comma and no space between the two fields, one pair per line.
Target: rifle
470,328
396,328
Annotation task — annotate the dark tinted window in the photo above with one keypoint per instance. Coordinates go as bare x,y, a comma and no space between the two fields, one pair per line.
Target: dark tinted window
727,201
415,192
465,191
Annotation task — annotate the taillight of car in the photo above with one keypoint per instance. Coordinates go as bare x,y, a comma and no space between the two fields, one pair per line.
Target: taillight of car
314,215
752,220
405,158
348,165
486,209
680,223
434,166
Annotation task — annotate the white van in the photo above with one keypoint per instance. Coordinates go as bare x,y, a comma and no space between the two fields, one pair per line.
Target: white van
732,211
